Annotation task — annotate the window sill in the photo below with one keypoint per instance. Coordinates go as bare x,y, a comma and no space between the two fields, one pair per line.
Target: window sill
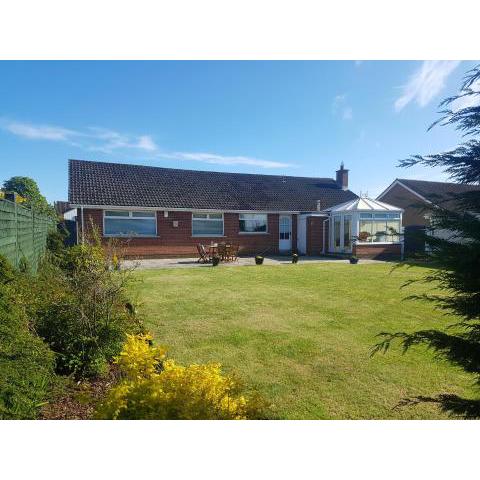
129,236
378,243
253,233
209,236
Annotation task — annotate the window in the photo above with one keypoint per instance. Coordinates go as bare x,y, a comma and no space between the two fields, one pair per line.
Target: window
379,227
207,224
124,223
347,231
253,222
336,231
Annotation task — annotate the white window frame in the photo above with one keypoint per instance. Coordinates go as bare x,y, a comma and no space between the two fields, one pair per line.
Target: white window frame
130,216
380,218
211,220
252,233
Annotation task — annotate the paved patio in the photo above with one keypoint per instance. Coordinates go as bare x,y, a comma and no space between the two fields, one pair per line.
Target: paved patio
241,262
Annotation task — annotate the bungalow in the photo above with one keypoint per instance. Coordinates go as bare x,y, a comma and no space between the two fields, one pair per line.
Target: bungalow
419,199
167,212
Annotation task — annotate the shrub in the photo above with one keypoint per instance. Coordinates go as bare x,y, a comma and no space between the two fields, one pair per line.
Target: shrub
56,240
81,309
294,258
26,362
7,272
215,261
155,388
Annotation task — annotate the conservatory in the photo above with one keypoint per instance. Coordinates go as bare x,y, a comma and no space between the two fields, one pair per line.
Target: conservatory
366,228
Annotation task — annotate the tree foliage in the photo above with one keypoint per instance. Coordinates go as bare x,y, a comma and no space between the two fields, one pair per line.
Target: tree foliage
457,257
28,188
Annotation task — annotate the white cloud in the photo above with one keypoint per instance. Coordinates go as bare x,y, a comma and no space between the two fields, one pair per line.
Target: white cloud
92,138
145,142
468,100
39,132
97,139
224,160
426,83
340,107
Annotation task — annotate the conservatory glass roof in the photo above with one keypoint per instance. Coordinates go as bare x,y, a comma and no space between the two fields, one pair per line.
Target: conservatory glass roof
364,204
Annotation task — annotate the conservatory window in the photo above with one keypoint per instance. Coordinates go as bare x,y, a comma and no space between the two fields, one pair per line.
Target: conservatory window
379,227
129,223
253,222
207,224
347,231
336,230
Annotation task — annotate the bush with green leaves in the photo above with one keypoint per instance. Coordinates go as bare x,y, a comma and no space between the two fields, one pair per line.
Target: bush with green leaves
26,362
81,309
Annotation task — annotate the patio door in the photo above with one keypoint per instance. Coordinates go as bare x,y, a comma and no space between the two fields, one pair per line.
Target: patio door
285,233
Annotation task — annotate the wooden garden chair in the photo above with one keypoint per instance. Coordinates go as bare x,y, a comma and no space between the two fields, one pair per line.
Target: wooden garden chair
232,253
222,251
204,256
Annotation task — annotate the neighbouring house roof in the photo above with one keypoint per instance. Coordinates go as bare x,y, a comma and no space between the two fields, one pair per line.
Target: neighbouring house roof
61,207
364,205
118,184
437,193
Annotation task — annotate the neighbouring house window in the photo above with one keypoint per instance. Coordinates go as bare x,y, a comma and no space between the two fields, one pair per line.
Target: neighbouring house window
207,224
130,223
347,231
379,227
253,222
336,231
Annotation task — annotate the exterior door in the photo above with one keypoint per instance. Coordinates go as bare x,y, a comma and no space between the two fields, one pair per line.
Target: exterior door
285,233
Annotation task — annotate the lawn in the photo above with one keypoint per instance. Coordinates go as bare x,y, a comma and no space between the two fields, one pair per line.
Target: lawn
302,335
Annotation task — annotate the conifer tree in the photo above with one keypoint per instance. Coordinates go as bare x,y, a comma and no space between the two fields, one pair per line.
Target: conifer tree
456,258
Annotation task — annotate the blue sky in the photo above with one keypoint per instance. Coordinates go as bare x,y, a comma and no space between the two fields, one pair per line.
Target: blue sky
284,117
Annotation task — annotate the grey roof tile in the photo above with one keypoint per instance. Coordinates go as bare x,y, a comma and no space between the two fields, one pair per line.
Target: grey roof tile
119,184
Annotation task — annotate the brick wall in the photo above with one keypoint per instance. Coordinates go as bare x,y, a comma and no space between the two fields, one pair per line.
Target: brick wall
378,252
178,241
414,207
315,227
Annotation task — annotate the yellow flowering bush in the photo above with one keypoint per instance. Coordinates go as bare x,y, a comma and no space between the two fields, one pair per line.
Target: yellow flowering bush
155,388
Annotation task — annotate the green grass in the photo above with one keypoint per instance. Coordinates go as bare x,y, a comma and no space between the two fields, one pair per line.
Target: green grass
302,335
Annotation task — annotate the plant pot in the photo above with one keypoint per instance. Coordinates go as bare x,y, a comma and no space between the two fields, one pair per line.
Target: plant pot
258,260
353,261
215,261
294,258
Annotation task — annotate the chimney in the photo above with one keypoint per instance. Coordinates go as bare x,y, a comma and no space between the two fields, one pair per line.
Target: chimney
319,206
342,177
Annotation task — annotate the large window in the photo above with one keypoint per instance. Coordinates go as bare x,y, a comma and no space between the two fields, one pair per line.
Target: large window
207,224
379,227
124,223
253,222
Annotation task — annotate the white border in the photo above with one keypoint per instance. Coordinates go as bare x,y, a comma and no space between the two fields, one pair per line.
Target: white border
110,235
208,219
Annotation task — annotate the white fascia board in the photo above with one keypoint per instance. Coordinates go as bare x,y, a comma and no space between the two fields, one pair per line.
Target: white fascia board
398,182
171,209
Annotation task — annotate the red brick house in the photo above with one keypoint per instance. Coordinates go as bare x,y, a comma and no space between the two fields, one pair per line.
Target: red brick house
167,212
419,199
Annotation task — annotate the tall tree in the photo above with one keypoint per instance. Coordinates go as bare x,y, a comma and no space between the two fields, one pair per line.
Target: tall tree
28,188
457,258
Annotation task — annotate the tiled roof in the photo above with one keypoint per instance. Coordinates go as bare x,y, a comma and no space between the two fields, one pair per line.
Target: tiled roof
439,193
118,184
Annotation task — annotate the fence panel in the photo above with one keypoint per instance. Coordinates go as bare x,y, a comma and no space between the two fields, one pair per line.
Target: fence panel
23,233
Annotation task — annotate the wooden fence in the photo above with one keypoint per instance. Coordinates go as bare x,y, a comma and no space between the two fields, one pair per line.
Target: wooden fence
23,233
